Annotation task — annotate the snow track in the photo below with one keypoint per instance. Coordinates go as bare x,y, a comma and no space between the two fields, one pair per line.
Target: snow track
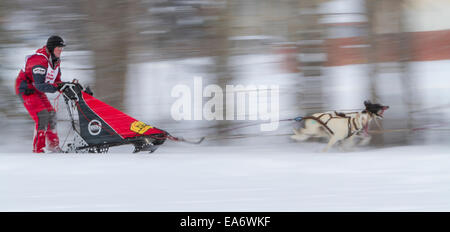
236,178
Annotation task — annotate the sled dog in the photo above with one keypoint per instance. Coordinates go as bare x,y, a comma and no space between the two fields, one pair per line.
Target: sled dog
338,126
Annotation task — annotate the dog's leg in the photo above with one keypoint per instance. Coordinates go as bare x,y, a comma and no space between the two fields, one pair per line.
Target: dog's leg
322,133
332,141
349,143
299,135
378,124
365,140
341,146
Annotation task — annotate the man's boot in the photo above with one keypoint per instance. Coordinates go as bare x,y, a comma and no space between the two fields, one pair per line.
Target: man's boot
39,141
53,141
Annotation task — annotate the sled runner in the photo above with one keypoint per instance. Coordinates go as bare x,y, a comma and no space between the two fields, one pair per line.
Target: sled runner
98,126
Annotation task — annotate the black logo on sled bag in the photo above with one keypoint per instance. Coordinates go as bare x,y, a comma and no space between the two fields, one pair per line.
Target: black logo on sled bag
94,127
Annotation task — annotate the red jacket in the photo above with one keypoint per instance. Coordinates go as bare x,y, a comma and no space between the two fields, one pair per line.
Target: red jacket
40,73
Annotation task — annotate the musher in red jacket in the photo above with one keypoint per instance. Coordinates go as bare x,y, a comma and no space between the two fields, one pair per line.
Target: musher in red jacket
42,75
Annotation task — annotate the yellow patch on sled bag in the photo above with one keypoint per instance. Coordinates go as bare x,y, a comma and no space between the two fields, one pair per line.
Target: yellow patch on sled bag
139,127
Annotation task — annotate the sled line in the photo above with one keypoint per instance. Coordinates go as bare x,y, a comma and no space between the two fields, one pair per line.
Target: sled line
241,136
382,131
430,108
407,129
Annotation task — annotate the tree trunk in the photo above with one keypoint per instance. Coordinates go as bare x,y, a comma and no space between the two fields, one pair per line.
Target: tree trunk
108,38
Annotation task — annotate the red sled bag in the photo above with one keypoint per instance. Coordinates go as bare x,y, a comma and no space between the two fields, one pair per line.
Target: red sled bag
98,126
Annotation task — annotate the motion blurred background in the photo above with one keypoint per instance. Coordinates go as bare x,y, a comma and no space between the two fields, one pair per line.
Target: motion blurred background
324,55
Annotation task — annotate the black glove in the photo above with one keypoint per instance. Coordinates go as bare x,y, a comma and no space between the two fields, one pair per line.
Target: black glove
60,85
88,91
28,91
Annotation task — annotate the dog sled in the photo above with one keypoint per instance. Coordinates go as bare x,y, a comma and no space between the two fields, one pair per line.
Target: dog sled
98,126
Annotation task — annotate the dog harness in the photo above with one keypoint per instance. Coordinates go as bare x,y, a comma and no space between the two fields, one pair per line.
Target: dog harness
339,115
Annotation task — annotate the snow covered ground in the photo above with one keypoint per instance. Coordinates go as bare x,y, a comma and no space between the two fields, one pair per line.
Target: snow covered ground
277,176
267,173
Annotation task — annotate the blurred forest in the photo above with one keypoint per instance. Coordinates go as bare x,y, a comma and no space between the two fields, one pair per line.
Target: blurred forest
108,39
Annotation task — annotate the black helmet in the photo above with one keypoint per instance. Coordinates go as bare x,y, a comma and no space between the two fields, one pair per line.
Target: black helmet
53,42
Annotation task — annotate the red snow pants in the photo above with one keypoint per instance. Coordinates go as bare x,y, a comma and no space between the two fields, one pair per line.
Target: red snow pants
44,116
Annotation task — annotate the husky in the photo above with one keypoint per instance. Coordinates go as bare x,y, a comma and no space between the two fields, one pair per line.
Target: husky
339,126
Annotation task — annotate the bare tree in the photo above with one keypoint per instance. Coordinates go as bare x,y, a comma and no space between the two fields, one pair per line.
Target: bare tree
387,19
221,54
108,36
311,46
9,102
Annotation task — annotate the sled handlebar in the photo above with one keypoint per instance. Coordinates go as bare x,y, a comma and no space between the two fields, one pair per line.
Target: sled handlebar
71,90
63,85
